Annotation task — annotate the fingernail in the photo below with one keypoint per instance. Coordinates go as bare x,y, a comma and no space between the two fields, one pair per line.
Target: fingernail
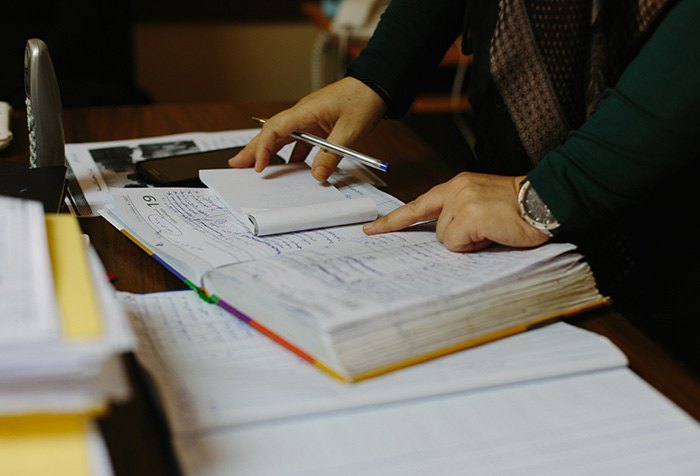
368,227
320,173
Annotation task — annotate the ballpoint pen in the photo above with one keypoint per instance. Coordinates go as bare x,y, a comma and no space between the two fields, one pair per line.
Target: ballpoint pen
340,150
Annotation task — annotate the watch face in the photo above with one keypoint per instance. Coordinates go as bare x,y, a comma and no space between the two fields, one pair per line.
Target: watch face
534,211
536,208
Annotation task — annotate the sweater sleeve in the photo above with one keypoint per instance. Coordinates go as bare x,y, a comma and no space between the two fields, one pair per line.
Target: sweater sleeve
410,41
645,129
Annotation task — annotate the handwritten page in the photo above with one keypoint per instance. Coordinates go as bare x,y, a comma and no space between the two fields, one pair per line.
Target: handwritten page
603,423
556,401
359,305
284,198
382,273
28,309
213,371
198,232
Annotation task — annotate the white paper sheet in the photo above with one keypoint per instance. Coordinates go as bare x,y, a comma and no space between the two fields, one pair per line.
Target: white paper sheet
214,371
608,423
28,310
556,401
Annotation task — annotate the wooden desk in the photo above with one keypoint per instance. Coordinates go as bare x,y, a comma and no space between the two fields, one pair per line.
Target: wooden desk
136,442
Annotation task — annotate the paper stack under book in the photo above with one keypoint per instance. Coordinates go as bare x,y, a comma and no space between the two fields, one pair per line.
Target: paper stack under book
61,334
354,305
555,401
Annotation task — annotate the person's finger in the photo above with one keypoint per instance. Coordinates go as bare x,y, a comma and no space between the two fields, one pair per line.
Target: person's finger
442,224
245,157
345,134
460,235
274,135
266,147
255,153
470,247
424,208
324,164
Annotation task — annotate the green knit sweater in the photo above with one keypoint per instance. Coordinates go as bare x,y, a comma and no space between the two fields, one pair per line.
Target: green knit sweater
644,131
646,128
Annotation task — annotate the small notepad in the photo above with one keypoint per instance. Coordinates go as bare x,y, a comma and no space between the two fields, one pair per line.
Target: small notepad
285,198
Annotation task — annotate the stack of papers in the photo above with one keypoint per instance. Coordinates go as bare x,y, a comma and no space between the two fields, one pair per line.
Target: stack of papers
61,334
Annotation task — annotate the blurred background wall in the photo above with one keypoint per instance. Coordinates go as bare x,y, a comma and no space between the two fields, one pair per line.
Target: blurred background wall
217,60
112,52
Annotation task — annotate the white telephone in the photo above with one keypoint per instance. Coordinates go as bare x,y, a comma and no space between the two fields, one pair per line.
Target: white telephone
358,18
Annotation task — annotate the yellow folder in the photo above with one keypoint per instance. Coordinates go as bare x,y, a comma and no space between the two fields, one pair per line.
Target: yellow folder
80,310
37,445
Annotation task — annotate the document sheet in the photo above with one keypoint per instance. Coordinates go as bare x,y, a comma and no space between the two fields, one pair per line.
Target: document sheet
554,401
215,371
608,423
193,225
28,311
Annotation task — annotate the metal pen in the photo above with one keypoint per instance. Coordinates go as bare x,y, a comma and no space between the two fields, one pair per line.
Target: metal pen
340,150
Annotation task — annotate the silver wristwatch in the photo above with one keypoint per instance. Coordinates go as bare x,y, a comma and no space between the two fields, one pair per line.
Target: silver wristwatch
534,211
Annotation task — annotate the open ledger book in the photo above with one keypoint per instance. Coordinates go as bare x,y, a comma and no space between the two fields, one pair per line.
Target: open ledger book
354,305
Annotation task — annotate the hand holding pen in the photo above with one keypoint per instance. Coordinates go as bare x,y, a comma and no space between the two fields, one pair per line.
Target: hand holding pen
338,149
344,112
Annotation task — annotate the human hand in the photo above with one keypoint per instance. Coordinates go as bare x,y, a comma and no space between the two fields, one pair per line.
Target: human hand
472,211
342,112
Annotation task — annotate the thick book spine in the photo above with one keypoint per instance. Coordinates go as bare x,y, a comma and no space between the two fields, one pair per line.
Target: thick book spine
499,334
484,339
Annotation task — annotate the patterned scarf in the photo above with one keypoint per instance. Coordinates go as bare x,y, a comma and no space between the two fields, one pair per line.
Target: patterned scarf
551,60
